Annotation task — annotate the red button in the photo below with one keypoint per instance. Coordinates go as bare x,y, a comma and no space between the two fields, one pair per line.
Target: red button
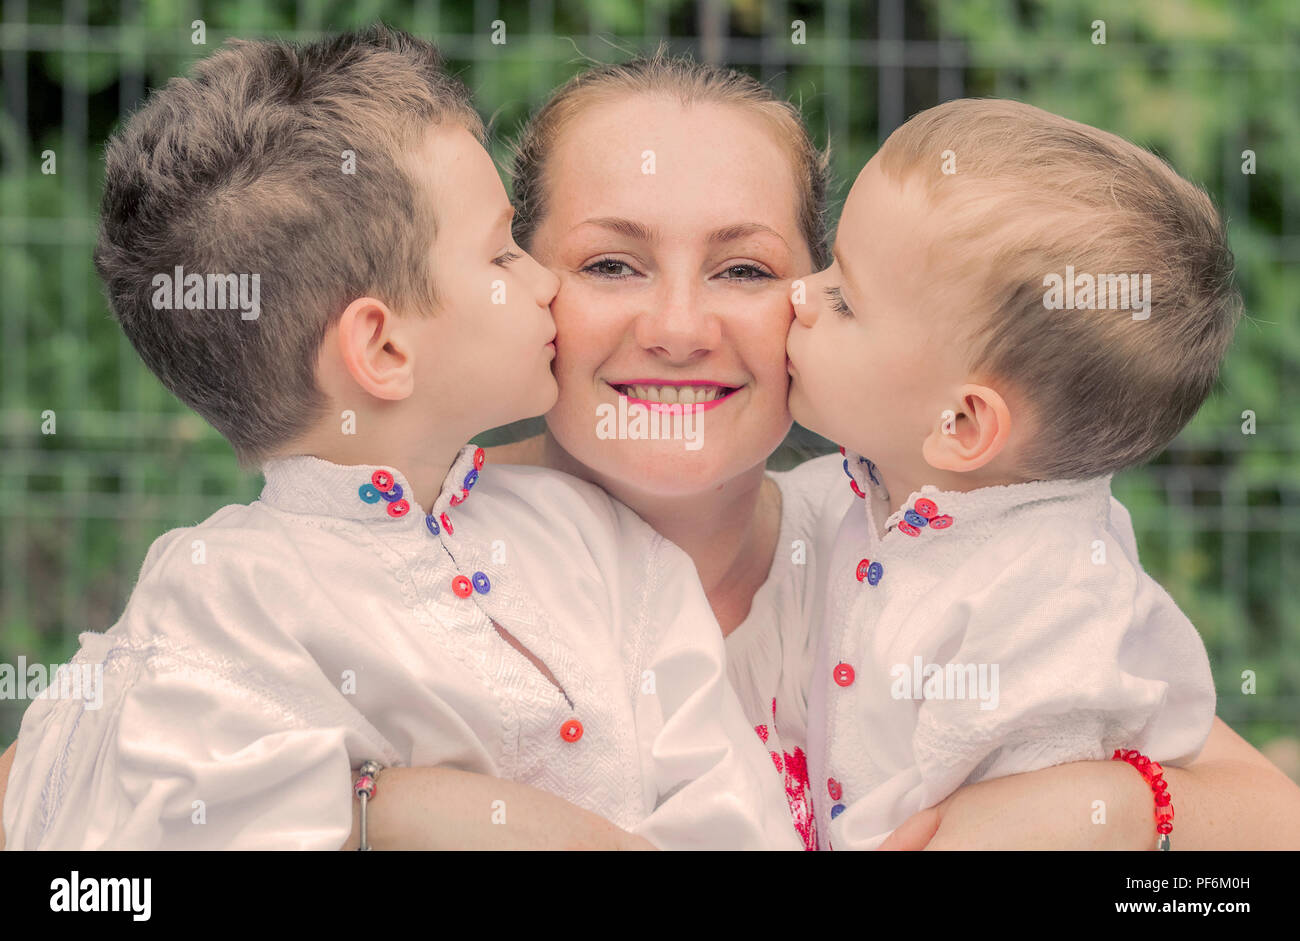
398,508
458,498
461,586
941,522
446,524
857,489
926,508
906,527
479,457
833,787
571,731
862,569
382,480
843,674
841,449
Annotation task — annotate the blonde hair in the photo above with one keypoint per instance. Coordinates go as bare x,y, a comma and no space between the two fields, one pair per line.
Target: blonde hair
1034,192
239,168
689,82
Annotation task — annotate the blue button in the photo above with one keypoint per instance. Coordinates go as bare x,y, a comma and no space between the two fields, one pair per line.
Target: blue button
481,583
837,810
369,493
871,472
432,523
915,518
874,571
393,495
470,480
846,468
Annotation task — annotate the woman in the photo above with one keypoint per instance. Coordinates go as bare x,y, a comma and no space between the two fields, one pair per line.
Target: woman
676,202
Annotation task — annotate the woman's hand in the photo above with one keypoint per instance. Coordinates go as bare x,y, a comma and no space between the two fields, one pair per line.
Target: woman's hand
1231,797
444,809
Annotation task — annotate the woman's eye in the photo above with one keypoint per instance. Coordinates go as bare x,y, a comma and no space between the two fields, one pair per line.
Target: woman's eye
506,259
745,273
609,268
837,302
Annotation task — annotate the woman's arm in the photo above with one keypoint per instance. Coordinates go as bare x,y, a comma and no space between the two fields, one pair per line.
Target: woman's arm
1230,797
6,762
444,809
438,808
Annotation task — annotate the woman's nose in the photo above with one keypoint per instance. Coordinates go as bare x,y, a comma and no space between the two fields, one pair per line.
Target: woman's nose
678,324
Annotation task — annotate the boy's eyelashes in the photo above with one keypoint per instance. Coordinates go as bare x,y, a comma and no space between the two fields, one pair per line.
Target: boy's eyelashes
837,301
506,258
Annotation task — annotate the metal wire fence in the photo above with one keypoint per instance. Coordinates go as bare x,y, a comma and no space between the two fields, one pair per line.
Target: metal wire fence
98,460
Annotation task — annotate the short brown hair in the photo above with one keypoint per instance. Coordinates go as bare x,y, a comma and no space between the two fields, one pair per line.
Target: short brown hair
241,167
689,82
1034,192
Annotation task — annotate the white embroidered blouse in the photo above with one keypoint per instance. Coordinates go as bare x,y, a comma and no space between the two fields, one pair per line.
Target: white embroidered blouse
989,633
272,648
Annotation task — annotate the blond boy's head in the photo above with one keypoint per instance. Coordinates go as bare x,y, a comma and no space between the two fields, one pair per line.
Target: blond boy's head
1022,198
292,162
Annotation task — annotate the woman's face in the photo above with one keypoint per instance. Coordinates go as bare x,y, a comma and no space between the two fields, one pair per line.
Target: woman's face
674,234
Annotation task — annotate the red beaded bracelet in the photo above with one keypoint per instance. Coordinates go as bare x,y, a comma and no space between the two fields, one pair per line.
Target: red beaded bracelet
1153,774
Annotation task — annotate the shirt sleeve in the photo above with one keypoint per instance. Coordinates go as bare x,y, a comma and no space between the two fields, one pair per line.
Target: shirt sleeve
212,726
1069,660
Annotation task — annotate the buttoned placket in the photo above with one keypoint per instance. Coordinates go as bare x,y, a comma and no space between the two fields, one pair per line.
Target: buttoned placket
438,523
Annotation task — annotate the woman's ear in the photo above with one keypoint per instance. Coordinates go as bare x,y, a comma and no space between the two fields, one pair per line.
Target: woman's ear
975,433
374,350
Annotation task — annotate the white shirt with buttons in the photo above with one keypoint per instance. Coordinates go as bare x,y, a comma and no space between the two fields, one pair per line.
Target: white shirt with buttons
989,633
526,626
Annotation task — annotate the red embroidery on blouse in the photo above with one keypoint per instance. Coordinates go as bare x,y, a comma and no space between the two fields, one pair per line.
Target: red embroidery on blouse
798,792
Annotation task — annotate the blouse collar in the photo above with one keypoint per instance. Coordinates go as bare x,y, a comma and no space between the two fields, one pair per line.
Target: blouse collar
364,492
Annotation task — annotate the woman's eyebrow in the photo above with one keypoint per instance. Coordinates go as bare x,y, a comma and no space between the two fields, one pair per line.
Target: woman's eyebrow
740,230
626,227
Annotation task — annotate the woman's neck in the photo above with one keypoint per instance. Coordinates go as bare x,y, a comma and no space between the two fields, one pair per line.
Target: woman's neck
730,532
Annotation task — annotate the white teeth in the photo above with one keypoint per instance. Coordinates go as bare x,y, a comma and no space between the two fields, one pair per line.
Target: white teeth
674,395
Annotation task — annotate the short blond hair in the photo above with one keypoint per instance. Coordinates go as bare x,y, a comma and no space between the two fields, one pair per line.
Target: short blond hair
1033,193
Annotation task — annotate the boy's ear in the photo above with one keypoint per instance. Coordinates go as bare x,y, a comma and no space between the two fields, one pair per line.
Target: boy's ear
374,350
975,435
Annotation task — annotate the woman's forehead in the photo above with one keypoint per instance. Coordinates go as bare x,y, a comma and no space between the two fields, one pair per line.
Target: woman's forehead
704,165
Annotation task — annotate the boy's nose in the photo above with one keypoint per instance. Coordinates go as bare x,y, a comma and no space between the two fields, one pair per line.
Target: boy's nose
804,301
546,281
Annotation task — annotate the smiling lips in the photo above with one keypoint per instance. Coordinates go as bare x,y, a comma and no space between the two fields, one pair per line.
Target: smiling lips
700,395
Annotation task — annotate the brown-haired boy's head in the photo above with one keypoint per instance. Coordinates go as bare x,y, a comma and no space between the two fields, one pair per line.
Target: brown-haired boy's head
963,259
307,169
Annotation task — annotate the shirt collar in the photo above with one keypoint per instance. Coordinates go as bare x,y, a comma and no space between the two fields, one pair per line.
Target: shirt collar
979,511
365,492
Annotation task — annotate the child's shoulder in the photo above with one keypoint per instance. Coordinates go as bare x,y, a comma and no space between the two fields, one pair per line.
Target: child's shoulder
238,532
